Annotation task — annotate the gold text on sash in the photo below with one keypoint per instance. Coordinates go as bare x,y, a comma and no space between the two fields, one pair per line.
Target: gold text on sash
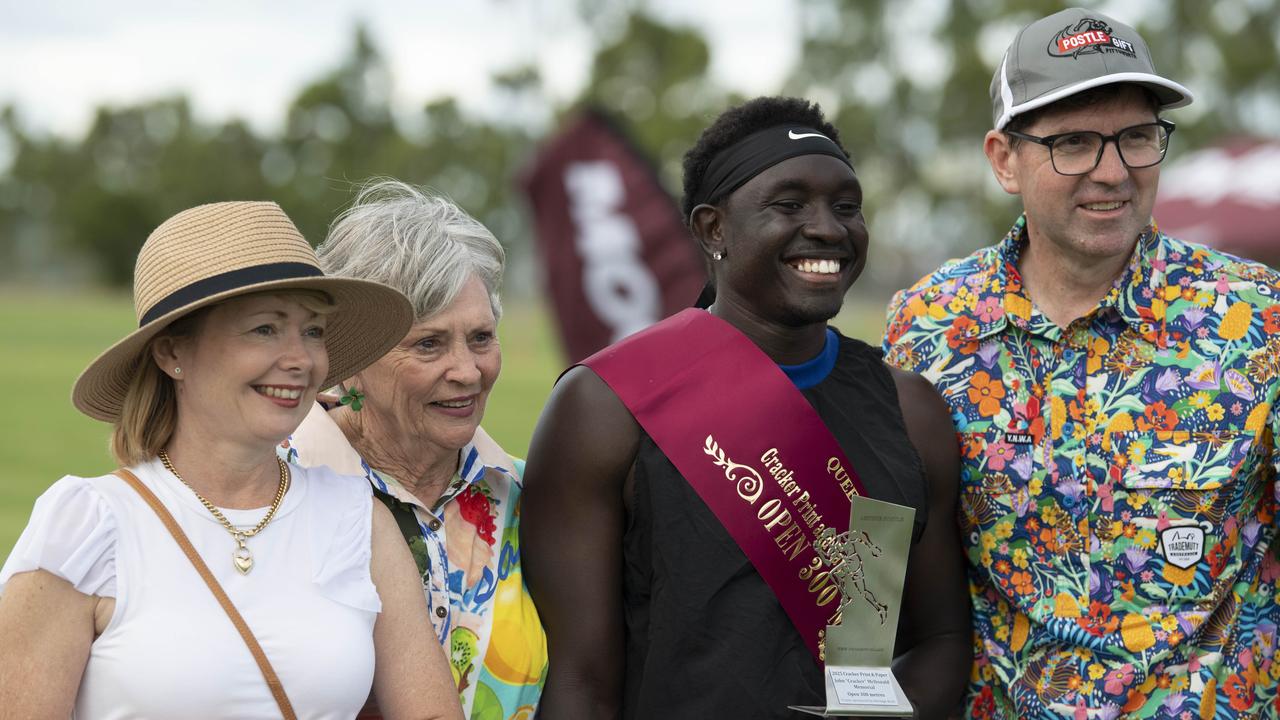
785,511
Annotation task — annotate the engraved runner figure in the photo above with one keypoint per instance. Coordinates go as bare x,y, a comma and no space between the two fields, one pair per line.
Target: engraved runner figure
840,553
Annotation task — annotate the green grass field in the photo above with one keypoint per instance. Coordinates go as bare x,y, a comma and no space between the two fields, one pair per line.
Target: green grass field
49,337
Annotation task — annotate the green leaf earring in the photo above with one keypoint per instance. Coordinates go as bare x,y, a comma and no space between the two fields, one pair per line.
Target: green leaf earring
353,397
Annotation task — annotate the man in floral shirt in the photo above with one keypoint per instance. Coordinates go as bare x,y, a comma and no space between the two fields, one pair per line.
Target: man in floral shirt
1114,390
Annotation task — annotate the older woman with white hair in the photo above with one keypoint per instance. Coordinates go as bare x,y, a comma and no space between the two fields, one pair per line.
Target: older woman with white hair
410,423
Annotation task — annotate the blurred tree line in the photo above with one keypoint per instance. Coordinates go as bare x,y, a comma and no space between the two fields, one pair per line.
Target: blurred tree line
906,83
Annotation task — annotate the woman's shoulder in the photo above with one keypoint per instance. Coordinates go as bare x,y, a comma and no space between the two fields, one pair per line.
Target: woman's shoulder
72,534
71,492
328,485
318,441
78,503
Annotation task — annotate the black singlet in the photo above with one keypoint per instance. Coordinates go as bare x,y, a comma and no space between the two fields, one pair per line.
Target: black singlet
705,636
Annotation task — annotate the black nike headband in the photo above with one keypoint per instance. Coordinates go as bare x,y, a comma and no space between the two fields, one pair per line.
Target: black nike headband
732,167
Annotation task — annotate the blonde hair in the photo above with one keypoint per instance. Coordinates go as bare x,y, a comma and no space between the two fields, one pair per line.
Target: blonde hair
149,413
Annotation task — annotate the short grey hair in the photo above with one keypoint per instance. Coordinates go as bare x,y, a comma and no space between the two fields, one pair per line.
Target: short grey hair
418,242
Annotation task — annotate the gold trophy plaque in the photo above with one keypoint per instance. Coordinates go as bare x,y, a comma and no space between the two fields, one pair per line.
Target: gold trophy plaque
868,564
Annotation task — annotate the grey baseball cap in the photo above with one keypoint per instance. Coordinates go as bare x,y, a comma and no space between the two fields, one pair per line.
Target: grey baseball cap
1072,51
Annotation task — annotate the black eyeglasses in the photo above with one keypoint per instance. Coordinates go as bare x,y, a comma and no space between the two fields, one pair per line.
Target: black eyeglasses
1078,153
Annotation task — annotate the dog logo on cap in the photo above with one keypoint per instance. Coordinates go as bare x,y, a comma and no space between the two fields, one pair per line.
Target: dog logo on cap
1087,37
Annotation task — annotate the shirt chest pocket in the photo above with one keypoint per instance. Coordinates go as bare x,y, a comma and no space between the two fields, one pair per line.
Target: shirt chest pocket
1180,495
1179,460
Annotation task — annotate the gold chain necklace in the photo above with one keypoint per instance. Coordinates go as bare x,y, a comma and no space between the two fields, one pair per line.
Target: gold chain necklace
241,556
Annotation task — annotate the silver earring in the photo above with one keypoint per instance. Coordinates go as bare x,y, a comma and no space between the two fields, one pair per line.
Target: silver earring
177,371
717,254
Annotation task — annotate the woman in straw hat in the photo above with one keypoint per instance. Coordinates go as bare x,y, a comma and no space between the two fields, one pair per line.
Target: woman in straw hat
249,588
415,434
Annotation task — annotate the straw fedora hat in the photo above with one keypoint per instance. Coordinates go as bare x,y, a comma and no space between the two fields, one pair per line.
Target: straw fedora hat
214,252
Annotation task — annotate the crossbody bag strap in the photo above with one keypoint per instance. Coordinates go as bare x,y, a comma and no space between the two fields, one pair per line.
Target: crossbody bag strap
268,673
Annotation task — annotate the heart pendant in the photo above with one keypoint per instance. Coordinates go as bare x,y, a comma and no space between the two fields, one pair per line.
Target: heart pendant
243,559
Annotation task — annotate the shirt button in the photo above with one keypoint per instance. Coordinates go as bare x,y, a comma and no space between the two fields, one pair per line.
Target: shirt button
441,612
434,524
1068,354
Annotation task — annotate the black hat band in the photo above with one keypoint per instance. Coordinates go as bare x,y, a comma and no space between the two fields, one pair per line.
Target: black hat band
227,281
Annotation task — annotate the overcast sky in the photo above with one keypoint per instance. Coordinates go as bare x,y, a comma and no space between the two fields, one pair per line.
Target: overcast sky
247,58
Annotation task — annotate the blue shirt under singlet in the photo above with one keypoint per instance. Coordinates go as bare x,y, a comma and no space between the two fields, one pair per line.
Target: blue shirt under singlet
811,372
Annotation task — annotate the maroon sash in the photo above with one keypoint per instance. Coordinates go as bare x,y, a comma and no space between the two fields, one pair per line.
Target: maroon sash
749,443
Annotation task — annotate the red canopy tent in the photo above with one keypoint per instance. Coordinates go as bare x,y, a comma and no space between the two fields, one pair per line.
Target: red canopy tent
1227,197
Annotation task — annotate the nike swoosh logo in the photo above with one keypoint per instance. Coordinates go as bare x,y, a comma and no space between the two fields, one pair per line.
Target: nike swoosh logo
796,136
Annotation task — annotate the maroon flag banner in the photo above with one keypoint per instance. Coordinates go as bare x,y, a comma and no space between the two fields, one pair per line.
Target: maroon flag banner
615,255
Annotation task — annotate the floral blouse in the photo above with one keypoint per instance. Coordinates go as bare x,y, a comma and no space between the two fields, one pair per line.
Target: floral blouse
1118,490
467,549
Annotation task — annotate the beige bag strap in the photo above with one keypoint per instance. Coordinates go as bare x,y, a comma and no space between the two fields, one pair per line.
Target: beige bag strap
269,674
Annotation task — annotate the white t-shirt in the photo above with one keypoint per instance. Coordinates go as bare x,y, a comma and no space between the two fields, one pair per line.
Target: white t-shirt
170,650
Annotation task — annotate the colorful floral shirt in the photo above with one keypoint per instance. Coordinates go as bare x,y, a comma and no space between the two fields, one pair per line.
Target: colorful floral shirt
1118,489
467,548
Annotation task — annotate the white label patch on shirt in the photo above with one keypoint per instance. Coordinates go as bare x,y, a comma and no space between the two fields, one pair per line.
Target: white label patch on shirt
1182,546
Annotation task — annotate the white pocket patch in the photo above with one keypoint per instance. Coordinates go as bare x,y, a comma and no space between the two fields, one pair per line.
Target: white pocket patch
1182,546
